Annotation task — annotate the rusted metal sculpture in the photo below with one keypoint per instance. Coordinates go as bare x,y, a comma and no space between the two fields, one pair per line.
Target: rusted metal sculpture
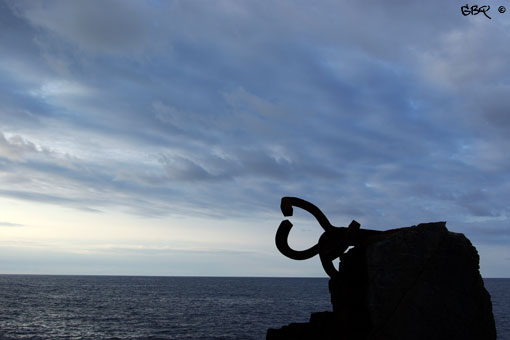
332,243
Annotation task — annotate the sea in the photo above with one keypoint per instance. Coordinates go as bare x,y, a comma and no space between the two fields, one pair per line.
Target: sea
136,307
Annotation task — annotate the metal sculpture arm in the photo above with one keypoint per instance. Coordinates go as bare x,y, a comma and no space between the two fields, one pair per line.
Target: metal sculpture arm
282,234
332,243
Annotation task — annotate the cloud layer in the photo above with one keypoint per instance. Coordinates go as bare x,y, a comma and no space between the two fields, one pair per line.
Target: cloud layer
390,113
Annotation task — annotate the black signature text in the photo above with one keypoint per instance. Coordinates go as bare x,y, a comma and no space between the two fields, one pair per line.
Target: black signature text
475,10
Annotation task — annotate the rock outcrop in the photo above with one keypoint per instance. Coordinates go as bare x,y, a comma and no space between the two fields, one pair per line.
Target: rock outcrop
420,282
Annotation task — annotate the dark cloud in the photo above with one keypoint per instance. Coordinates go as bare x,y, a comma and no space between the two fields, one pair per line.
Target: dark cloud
102,28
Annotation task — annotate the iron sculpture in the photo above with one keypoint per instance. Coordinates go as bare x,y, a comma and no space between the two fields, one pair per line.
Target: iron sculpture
332,243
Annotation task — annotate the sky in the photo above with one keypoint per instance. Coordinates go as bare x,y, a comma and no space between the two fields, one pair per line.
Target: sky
158,137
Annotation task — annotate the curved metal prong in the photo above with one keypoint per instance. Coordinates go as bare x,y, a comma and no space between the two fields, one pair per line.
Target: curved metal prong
332,244
282,243
286,206
328,265
288,202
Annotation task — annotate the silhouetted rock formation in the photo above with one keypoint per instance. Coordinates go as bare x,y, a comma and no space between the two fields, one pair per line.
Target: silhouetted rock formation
420,282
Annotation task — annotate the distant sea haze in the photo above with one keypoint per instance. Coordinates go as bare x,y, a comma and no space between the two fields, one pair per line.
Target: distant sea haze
122,307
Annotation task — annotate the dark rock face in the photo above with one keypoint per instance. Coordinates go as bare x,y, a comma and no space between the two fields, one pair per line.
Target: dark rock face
420,282
321,326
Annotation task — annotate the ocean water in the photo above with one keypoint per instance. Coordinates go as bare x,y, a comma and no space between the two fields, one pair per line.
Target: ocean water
120,307
499,289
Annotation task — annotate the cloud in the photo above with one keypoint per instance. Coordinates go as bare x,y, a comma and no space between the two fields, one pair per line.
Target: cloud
48,198
8,224
366,109
16,148
112,26
184,169
249,104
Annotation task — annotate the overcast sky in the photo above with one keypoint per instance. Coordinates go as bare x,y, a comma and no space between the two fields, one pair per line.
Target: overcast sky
158,137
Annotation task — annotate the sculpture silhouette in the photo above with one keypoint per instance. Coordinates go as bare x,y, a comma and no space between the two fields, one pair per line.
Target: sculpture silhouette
393,284
332,243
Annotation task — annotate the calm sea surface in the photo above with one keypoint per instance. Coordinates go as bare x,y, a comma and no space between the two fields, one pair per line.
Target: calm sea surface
119,307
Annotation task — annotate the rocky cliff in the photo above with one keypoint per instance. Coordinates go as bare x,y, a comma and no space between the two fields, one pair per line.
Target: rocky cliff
420,282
